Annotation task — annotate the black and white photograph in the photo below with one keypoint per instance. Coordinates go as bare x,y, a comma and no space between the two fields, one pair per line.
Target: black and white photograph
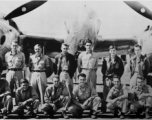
68,59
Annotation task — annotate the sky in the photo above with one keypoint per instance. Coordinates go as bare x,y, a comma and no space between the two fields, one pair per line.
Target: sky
117,19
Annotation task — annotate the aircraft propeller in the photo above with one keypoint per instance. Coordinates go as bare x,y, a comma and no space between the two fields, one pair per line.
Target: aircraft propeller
23,9
141,9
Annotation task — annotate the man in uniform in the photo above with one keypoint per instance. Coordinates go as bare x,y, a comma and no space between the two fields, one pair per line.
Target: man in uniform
117,98
26,98
108,84
56,97
138,65
38,65
15,62
142,97
111,66
5,98
66,59
88,64
86,97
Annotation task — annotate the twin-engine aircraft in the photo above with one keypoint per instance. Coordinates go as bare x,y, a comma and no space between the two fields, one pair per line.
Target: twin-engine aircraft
84,27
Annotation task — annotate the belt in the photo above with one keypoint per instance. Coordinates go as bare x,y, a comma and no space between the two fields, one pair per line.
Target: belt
38,70
88,68
15,69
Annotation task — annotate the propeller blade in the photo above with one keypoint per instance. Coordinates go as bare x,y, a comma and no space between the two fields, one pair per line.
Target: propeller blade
27,7
141,9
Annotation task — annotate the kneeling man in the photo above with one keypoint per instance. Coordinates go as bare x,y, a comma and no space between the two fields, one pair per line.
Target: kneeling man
5,98
26,98
86,97
55,98
142,100
118,98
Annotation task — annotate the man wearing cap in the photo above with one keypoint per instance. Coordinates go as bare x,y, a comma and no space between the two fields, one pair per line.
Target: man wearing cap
108,84
66,59
88,64
112,65
139,65
118,98
6,104
38,64
56,96
85,97
26,98
15,62
142,98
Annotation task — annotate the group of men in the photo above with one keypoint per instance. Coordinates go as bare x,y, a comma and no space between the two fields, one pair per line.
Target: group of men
30,94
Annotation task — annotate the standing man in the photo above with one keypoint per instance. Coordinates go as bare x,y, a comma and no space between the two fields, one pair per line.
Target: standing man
38,64
86,97
66,59
111,66
56,97
88,64
26,98
142,98
118,98
15,62
139,65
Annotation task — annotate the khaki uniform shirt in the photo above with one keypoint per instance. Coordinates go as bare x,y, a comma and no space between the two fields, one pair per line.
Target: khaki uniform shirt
15,61
116,92
82,94
88,60
52,93
65,91
141,66
137,91
22,95
39,62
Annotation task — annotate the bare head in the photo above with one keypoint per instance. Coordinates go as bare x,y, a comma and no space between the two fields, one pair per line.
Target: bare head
38,49
108,81
137,49
24,84
64,48
140,81
82,79
14,45
112,51
116,81
88,45
56,80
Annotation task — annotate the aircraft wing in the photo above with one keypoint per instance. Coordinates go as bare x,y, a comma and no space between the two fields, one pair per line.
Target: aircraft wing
50,45
122,45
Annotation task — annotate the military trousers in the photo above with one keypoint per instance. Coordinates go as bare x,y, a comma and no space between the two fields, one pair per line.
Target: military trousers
138,105
13,78
92,105
6,103
39,83
91,76
48,107
30,106
122,105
